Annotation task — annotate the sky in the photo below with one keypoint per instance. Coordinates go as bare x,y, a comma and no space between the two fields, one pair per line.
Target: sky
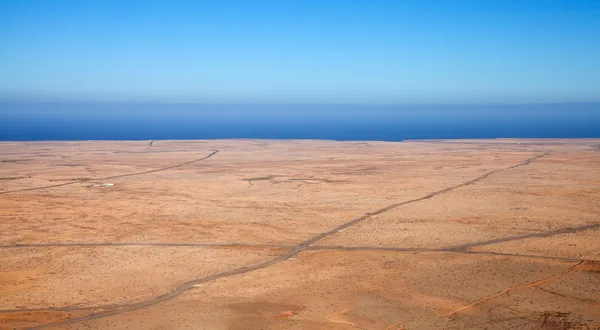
310,51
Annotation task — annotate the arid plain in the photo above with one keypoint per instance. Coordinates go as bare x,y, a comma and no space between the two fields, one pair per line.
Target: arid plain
260,234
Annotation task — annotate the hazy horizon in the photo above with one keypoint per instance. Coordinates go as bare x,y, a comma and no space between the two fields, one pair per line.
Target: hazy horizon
174,102
163,121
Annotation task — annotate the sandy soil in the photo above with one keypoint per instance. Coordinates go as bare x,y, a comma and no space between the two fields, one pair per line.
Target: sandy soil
260,234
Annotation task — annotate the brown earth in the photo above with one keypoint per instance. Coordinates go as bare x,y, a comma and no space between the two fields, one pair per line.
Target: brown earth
243,234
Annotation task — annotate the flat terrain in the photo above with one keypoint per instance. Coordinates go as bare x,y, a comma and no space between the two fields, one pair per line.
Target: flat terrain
260,234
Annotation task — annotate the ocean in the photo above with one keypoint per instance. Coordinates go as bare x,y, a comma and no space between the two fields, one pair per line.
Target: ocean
32,121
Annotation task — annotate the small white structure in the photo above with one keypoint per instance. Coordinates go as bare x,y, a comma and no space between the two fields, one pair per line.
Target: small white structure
104,185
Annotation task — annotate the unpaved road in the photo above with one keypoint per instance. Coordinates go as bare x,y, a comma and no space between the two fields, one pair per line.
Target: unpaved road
113,176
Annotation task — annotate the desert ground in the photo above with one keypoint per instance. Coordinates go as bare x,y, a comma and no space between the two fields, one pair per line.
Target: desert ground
261,234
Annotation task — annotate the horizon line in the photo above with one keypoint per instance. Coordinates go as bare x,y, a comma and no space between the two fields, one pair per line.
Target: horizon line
163,102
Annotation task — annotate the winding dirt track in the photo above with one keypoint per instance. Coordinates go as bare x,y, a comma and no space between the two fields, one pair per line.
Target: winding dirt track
306,245
112,177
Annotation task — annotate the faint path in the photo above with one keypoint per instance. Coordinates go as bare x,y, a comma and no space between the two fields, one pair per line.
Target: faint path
397,325
509,289
13,178
291,179
584,300
297,249
234,245
159,169
568,230
262,178
112,177
261,143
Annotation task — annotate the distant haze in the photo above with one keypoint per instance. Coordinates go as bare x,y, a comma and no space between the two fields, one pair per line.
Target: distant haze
141,121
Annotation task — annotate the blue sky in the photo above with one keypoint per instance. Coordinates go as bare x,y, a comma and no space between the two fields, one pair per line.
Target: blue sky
310,51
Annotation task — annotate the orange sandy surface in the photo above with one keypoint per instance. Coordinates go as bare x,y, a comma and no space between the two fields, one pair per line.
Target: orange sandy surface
260,234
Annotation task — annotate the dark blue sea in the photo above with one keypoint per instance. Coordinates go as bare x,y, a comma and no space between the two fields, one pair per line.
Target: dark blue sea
29,121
